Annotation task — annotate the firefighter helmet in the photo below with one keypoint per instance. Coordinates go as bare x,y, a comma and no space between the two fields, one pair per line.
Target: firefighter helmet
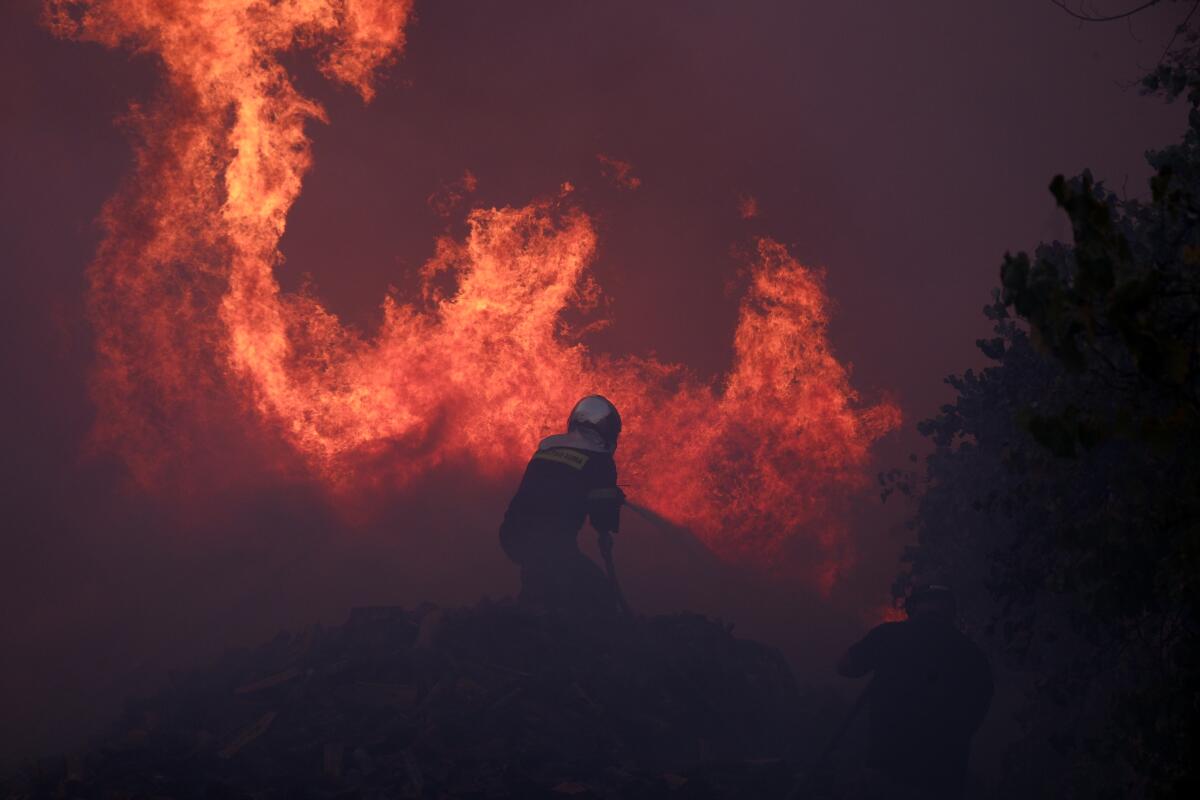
598,414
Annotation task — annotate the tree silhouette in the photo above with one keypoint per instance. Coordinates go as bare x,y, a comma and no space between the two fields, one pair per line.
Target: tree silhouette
1062,497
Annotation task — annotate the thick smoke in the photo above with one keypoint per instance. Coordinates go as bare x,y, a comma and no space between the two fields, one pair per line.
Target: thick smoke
220,498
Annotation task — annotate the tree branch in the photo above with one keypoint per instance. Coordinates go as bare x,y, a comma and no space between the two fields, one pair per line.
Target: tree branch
1181,27
1088,18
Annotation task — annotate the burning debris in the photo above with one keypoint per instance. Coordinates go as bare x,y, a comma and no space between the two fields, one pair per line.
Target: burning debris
492,701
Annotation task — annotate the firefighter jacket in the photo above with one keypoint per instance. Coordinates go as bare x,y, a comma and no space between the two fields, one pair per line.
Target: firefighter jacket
570,479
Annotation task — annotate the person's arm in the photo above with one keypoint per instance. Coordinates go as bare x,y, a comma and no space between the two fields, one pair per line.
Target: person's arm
862,657
604,501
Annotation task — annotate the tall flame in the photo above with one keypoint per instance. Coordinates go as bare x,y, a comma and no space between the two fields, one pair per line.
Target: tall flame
191,322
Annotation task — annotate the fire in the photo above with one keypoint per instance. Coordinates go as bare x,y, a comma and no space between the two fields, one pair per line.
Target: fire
192,325
618,171
747,206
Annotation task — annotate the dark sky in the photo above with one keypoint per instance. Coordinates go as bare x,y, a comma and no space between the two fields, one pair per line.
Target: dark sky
904,147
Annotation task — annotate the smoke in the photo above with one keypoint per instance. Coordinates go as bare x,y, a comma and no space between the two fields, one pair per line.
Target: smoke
256,462
119,594
198,344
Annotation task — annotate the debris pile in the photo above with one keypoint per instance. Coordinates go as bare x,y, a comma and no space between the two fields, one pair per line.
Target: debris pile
491,701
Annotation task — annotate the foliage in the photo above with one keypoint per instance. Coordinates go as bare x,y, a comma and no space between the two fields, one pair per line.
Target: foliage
1062,497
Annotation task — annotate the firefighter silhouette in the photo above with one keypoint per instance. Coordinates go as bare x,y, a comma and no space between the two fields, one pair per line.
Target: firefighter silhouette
930,690
572,478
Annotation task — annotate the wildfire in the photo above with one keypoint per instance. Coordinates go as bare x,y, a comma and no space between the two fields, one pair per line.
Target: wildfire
191,322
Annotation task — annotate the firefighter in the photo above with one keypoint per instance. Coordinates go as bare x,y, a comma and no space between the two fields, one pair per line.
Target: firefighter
571,478
930,690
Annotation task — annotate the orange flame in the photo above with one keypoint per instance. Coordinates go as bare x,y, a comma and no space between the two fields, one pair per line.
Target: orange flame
188,313
747,206
620,172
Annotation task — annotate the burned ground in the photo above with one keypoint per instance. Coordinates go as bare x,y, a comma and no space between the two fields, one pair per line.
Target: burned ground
495,700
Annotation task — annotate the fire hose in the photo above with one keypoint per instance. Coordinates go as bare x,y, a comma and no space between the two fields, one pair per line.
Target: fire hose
808,782
606,550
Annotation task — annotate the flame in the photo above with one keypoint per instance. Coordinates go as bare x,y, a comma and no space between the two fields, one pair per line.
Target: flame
618,171
747,206
885,612
192,325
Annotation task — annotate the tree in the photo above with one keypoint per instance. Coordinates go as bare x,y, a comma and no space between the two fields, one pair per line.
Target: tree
1062,496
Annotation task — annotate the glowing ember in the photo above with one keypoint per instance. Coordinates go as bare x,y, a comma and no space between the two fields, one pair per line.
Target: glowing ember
618,171
191,322
747,206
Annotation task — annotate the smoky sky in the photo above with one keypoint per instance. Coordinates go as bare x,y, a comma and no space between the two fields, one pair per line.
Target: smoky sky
902,147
